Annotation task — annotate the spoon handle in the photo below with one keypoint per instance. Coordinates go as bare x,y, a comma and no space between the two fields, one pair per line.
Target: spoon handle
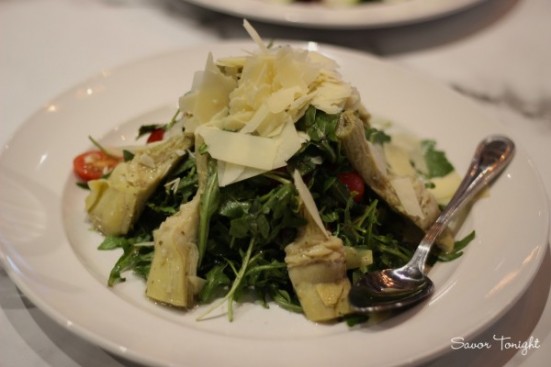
490,158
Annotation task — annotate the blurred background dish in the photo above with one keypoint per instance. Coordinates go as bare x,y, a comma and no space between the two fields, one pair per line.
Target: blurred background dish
318,15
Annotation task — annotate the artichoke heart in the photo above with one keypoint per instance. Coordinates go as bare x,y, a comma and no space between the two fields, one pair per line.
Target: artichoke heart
316,264
172,278
115,203
406,194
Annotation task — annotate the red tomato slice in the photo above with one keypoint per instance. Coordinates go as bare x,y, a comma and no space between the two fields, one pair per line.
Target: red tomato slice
156,135
355,184
93,165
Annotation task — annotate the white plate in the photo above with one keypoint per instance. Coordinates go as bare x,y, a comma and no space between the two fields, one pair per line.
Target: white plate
366,15
50,252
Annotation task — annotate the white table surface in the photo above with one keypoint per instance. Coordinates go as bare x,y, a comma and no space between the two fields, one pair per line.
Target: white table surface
497,53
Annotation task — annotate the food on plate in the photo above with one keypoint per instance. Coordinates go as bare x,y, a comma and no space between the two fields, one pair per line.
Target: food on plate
397,184
114,203
173,278
271,181
93,164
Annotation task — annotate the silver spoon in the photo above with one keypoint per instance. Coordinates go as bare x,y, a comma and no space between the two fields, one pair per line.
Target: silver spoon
391,289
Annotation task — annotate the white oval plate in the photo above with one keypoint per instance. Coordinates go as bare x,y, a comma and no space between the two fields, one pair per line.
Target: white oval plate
368,15
50,252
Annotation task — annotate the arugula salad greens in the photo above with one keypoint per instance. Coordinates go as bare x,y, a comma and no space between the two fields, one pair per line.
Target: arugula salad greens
269,184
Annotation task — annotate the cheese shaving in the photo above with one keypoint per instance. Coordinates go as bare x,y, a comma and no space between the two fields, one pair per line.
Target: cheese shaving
147,161
408,198
254,35
308,201
398,160
245,108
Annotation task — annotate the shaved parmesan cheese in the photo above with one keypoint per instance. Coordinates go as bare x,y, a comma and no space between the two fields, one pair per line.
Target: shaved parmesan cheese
398,160
445,187
254,35
257,118
331,97
282,99
289,143
229,173
406,193
241,156
232,62
378,158
209,96
308,201
172,186
412,146
243,149
146,160
325,62
245,107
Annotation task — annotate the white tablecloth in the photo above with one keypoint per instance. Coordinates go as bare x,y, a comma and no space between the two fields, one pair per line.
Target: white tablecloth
497,53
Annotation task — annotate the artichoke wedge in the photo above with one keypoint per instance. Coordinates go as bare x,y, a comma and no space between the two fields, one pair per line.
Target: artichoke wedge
316,264
115,203
406,195
173,279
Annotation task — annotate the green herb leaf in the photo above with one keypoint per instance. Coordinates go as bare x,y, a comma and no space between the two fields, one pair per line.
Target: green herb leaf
112,242
437,163
322,130
135,257
146,129
216,279
127,155
377,136
149,128
284,300
210,199
458,248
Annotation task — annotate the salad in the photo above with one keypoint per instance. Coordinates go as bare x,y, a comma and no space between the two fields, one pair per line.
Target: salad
271,182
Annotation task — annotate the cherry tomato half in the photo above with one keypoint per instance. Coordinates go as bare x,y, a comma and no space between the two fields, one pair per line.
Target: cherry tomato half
355,184
156,135
93,164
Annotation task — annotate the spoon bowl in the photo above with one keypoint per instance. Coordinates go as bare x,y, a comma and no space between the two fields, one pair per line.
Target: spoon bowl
390,289
393,289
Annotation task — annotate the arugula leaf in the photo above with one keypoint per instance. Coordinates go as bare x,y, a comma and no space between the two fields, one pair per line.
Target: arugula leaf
83,185
377,136
146,129
135,257
112,242
437,163
127,155
322,130
177,188
210,200
458,248
254,220
284,299
216,279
